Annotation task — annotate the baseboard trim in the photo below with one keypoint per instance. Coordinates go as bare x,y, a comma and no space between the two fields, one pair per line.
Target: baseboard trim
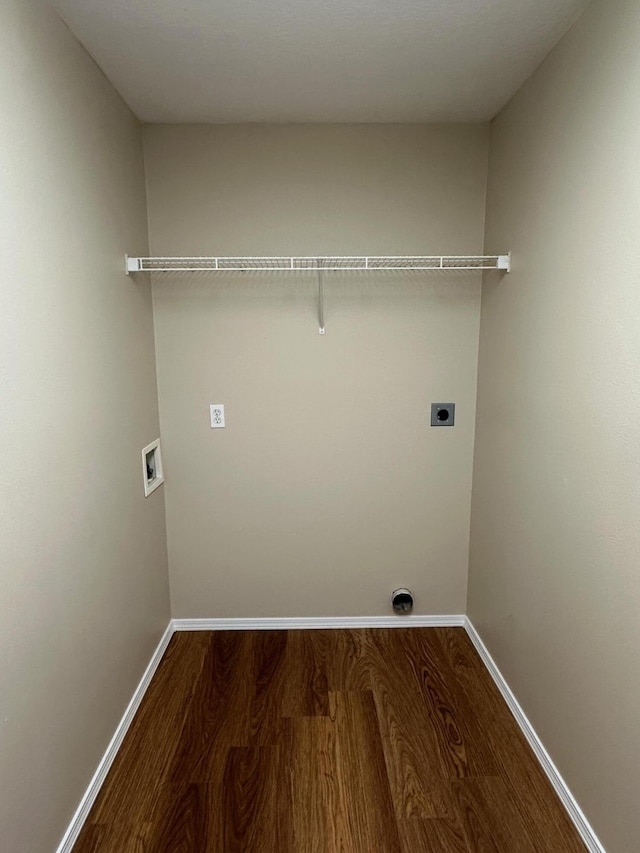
294,623
553,774
73,830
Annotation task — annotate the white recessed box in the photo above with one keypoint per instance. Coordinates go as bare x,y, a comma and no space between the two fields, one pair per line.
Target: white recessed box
152,471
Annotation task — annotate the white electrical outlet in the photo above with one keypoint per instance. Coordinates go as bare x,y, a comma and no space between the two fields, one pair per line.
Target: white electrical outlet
216,410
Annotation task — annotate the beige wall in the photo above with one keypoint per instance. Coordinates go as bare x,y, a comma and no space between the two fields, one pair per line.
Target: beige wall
327,489
554,581
83,598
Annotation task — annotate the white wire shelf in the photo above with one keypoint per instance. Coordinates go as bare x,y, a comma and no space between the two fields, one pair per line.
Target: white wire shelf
350,262
320,264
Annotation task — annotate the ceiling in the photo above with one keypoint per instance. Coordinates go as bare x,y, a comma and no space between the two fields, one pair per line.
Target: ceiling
224,61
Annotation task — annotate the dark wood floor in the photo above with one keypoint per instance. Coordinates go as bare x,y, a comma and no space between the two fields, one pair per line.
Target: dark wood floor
367,741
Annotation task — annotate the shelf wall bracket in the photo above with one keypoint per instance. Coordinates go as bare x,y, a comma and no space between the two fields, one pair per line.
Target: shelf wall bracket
504,262
132,264
322,329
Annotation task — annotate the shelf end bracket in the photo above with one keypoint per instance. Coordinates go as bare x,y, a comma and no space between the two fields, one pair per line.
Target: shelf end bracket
504,262
132,265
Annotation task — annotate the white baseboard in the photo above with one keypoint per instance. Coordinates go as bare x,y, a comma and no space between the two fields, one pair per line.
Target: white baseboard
560,786
73,830
293,623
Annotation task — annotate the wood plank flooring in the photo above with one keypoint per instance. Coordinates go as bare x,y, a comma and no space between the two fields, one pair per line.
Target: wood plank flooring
355,741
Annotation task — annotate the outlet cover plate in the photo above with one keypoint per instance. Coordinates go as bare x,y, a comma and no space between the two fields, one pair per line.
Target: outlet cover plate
443,414
216,412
